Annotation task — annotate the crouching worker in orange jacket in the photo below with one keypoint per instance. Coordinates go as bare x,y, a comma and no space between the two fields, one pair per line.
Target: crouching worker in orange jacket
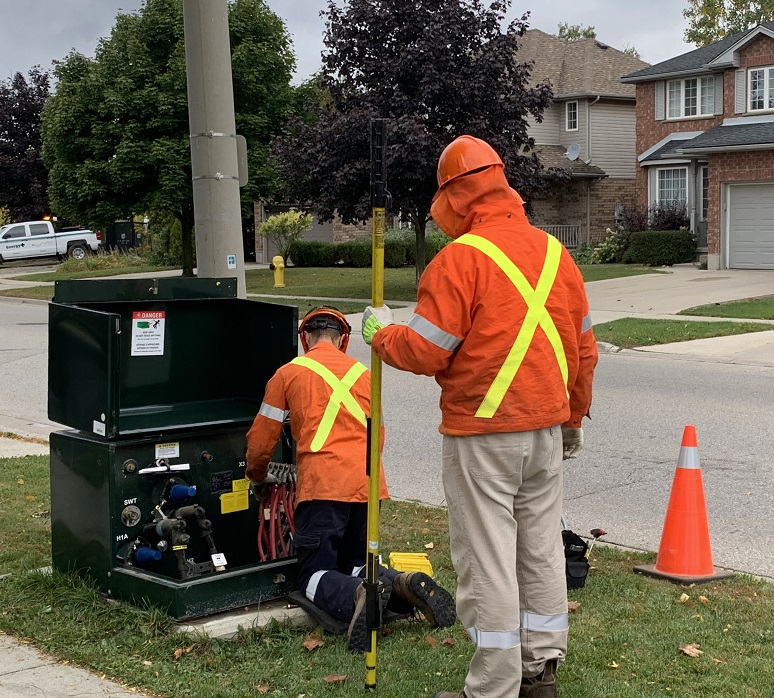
327,396
503,324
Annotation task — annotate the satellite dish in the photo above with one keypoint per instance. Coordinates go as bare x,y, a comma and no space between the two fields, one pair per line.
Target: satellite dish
573,151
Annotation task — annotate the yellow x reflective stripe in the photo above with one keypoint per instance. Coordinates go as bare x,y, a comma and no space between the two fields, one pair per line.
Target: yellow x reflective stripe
537,315
340,396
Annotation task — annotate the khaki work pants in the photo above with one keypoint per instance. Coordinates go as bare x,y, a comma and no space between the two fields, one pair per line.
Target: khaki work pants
504,495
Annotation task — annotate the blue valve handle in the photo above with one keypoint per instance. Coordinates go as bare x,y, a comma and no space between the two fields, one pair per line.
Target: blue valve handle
179,493
145,556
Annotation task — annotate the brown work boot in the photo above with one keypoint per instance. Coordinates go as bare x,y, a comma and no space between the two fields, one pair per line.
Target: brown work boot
358,635
432,600
541,686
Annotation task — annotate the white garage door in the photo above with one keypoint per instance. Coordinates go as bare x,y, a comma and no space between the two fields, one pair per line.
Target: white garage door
751,226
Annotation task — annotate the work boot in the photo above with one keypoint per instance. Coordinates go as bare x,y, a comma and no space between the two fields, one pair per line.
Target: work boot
432,600
358,635
541,686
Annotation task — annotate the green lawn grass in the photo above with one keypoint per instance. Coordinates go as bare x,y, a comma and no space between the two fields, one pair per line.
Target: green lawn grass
638,332
749,308
44,293
88,273
625,633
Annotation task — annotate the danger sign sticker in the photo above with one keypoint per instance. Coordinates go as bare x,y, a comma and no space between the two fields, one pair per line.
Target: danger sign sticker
148,332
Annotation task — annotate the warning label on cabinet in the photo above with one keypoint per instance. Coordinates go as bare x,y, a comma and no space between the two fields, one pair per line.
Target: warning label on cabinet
148,332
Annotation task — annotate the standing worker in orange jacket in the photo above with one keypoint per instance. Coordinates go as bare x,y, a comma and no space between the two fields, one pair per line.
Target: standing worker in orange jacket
327,396
503,324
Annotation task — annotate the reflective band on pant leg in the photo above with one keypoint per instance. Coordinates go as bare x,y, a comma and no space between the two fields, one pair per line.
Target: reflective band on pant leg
534,621
311,587
488,639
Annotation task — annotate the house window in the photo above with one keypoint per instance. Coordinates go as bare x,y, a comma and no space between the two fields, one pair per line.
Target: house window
672,187
572,116
691,97
761,89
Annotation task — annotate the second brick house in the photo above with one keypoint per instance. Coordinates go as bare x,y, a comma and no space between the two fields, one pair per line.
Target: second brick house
705,139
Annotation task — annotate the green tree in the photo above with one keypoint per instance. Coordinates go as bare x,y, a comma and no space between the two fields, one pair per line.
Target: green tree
711,20
435,70
575,32
631,51
283,229
23,176
116,137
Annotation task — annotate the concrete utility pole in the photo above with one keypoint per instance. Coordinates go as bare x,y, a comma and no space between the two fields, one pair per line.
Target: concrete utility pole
214,160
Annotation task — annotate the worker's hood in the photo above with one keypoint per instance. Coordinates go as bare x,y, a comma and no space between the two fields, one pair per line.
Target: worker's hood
455,202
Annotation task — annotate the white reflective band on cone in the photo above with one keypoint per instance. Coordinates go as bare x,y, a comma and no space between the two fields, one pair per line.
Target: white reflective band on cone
489,639
689,458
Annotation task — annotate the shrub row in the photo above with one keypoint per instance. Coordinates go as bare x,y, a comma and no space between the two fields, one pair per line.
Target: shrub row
399,250
660,248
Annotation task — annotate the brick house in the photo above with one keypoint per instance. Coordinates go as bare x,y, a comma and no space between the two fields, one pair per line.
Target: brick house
589,131
705,138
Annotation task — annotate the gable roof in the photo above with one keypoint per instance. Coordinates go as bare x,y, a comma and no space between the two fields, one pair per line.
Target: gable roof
696,61
578,68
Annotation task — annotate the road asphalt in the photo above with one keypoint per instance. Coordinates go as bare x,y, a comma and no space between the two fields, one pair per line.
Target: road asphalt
25,672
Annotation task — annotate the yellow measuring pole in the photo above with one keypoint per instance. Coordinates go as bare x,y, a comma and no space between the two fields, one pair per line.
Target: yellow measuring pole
378,201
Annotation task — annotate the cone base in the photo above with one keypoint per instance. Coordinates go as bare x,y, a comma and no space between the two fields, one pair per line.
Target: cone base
650,571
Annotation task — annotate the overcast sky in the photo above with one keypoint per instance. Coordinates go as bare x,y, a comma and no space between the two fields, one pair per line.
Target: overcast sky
39,31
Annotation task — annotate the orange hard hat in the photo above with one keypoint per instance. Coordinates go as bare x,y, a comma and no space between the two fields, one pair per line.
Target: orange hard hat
325,317
464,155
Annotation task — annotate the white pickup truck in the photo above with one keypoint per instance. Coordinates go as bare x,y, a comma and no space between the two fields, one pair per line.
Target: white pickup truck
40,239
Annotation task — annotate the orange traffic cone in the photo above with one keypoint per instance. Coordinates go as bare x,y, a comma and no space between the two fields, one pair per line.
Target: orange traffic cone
684,555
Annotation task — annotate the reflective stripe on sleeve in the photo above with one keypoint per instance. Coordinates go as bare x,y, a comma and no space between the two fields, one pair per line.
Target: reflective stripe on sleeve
587,323
433,334
274,413
549,624
489,639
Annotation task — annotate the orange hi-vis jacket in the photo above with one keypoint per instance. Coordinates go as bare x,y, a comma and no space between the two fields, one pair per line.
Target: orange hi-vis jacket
503,323
327,396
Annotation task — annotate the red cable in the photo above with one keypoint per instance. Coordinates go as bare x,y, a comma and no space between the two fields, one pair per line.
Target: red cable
273,524
280,511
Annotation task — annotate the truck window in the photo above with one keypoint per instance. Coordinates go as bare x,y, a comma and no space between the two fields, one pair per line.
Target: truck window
17,231
39,229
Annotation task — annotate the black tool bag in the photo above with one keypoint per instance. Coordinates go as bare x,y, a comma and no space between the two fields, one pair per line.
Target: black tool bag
577,565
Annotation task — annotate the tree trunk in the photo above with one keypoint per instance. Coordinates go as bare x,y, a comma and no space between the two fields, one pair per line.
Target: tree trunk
186,223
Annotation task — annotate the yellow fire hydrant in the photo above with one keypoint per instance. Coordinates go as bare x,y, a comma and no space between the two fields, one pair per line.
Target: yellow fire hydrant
278,267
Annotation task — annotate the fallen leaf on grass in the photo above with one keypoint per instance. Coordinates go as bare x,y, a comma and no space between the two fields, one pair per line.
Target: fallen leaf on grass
691,650
449,641
180,651
262,688
147,663
429,546
312,643
20,481
684,597
335,678
613,665
573,606
29,497
430,640
703,599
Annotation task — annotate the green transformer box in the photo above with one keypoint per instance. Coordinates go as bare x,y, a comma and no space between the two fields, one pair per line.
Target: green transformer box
159,381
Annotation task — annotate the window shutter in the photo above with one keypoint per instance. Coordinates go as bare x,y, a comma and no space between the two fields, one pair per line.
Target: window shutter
660,106
739,92
719,93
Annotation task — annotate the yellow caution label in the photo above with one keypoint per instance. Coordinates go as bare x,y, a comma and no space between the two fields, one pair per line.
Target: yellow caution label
179,547
239,485
234,501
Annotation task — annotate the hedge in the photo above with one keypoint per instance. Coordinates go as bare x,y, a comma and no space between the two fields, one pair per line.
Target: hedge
399,250
657,248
